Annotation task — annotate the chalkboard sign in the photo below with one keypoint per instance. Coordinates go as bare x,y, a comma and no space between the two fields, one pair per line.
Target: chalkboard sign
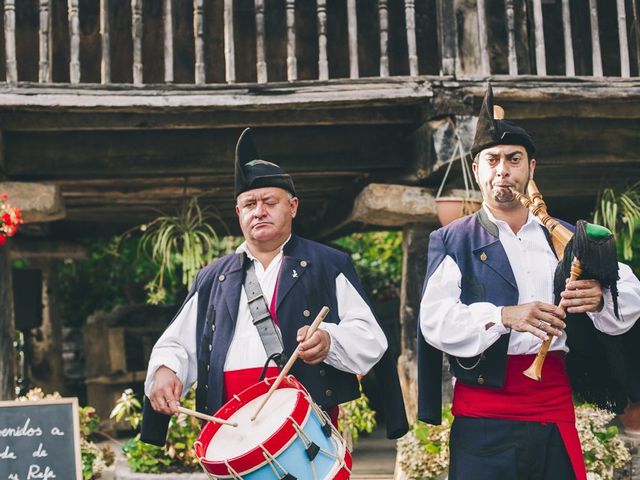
40,440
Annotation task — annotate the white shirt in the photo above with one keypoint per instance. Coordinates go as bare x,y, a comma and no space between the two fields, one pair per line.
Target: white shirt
460,330
357,342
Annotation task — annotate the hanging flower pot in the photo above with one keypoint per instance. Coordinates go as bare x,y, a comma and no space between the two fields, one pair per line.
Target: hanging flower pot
451,208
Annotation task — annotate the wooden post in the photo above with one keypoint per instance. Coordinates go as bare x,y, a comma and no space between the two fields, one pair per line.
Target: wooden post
323,63
483,38
261,64
229,43
74,36
352,18
7,325
622,37
541,61
511,37
636,31
10,41
292,62
383,15
136,34
105,63
44,69
410,20
447,35
595,39
198,33
167,14
570,69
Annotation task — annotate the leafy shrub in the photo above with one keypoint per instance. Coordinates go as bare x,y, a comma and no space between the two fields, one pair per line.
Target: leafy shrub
356,416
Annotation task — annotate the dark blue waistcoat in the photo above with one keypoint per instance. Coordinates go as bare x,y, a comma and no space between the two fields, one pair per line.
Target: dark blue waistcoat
306,284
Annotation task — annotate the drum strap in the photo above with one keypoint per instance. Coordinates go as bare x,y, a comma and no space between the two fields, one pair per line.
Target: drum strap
269,334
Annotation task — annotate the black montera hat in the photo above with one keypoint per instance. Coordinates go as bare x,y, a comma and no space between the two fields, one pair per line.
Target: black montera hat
252,172
491,131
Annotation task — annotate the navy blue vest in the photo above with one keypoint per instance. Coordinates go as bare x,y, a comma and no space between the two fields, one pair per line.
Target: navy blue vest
309,289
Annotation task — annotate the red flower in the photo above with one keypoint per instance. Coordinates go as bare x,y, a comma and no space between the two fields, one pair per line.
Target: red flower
4,196
6,218
3,240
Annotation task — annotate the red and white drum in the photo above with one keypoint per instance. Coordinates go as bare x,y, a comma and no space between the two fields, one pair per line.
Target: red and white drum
292,438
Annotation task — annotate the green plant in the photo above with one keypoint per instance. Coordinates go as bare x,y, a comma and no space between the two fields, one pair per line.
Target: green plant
179,245
620,213
356,416
177,454
377,257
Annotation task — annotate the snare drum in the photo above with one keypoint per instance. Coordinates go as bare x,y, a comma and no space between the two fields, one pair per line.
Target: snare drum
292,438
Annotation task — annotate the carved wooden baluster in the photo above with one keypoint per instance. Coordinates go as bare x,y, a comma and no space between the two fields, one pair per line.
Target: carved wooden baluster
261,64
595,39
570,69
74,34
198,33
352,18
292,62
383,16
636,31
410,19
10,41
323,63
446,19
511,37
136,33
105,61
167,13
483,38
541,61
229,43
44,71
622,37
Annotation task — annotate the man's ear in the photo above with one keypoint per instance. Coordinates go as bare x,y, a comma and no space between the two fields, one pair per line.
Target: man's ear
474,169
532,167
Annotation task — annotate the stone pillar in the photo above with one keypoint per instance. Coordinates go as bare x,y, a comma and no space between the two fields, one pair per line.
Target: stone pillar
44,343
7,327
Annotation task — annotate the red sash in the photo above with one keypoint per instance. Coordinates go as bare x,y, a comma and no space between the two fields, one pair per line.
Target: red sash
524,399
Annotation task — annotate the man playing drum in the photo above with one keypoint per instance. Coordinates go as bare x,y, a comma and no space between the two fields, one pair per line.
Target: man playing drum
488,302
258,303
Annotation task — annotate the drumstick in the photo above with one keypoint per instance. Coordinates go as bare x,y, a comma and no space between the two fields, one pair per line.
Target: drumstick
209,418
294,357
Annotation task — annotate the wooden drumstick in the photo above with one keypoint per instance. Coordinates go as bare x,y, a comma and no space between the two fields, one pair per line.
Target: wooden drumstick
314,326
208,418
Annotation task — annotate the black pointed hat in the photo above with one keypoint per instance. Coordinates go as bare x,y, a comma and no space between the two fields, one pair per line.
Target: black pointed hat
491,131
252,172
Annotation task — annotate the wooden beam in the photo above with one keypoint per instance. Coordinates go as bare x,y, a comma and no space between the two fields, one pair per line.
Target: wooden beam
570,69
32,249
383,20
292,62
198,34
44,34
7,326
483,38
596,55
622,39
136,35
74,38
229,43
511,37
38,202
261,58
410,21
105,42
167,15
352,22
446,21
10,42
323,63
541,61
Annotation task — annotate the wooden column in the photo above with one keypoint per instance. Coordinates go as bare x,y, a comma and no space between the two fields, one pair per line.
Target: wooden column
483,39
383,16
44,343
10,41
44,68
410,19
105,62
229,43
198,33
595,39
636,31
261,63
323,63
511,37
292,62
541,61
7,326
447,35
415,242
352,19
136,34
74,37
570,69
622,37
167,14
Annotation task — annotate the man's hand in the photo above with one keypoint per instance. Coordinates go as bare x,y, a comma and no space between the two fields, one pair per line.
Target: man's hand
538,318
314,350
581,296
165,395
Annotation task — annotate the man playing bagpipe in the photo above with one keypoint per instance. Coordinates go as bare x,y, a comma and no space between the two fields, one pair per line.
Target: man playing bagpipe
490,300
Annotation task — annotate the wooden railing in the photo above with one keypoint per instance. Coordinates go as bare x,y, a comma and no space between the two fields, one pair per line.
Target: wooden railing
393,37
